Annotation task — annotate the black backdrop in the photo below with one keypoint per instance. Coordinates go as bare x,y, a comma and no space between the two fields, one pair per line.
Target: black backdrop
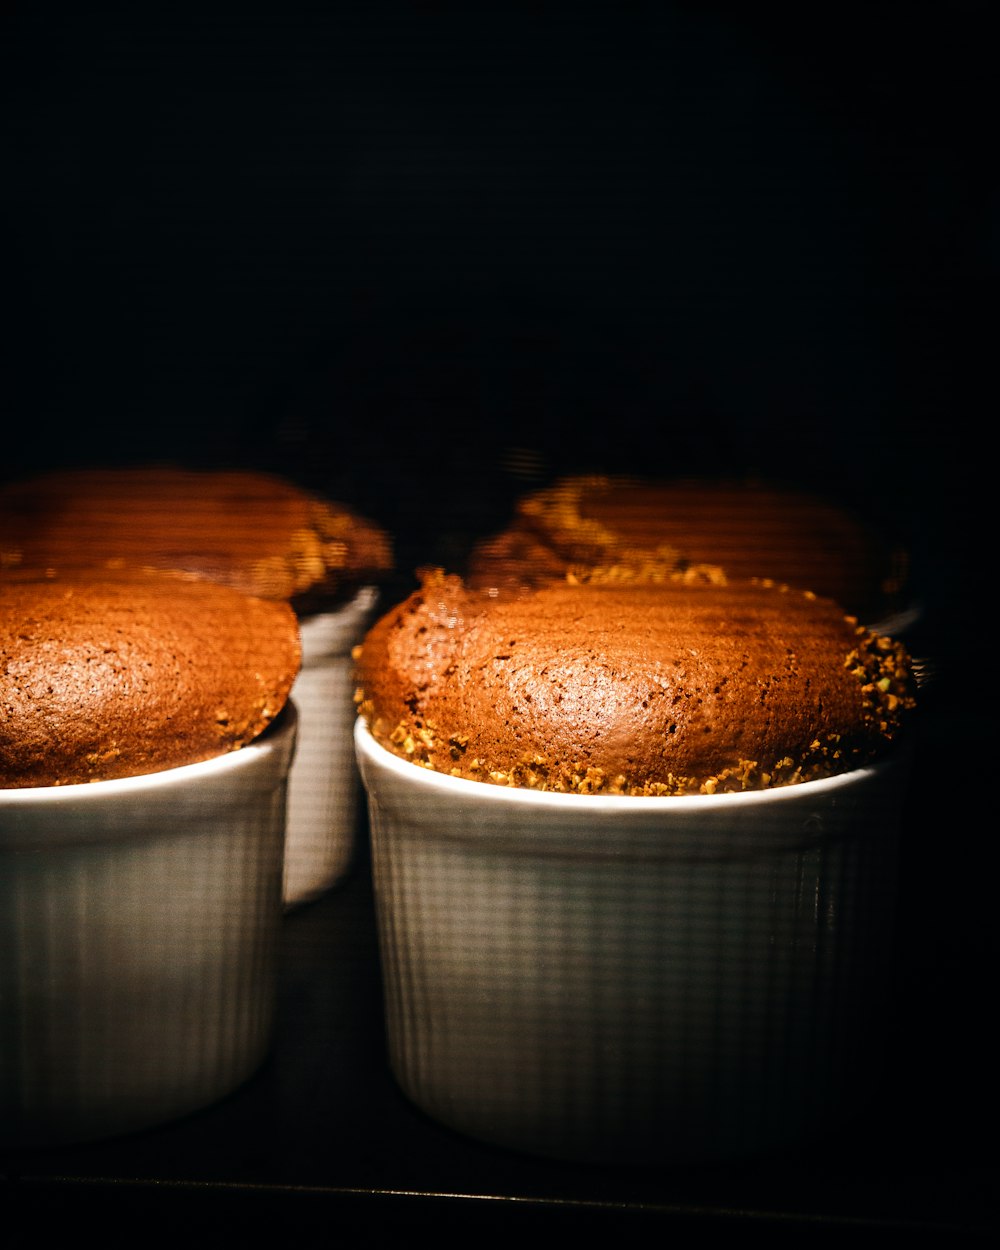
419,255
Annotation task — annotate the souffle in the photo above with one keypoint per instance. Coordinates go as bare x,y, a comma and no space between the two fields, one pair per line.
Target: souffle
747,528
254,531
128,674
686,683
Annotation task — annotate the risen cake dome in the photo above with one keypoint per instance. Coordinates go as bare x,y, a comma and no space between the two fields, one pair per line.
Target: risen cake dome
254,531
746,528
130,674
683,685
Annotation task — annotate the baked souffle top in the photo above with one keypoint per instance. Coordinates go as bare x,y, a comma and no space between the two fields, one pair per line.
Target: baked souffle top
747,528
629,683
131,674
254,531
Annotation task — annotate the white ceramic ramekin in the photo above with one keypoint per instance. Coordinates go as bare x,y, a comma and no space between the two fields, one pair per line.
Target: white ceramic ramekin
323,790
633,980
139,924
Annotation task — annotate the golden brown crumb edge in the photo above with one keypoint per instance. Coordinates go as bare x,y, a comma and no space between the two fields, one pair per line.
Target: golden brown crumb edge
689,684
134,674
252,530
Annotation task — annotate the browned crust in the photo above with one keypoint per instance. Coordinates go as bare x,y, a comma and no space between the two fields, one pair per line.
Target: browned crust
253,531
746,528
675,684
135,674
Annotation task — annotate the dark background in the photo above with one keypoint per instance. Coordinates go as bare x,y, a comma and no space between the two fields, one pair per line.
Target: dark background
422,256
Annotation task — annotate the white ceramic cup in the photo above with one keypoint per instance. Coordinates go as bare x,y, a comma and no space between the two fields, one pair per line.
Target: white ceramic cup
633,980
140,922
323,789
